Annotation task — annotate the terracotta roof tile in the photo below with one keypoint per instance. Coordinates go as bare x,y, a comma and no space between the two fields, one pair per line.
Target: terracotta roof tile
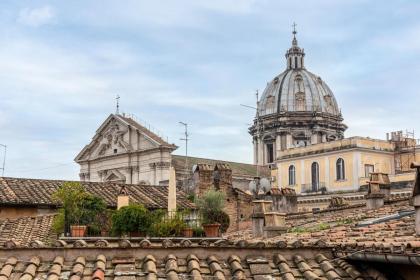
37,192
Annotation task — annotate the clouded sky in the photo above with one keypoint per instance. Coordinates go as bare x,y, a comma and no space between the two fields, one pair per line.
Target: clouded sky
63,62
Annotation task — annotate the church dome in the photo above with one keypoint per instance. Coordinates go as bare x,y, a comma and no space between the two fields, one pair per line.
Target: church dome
296,109
297,89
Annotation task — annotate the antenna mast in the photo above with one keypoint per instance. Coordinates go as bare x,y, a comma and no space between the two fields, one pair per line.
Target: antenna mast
257,123
186,139
4,159
117,111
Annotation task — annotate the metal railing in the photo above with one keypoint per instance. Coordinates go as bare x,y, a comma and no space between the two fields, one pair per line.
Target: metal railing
313,187
189,219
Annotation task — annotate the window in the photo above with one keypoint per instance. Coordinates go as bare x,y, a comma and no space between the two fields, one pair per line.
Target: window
292,175
115,151
315,176
369,168
270,153
340,171
296,64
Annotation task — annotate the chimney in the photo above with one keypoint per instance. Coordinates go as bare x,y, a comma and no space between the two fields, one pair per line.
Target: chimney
275,224
172,191
374,197
284,200
260,207
202,178
416,196
123,199
222,177
382,180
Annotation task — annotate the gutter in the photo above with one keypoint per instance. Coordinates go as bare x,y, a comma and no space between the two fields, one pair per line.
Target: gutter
382,258
395,216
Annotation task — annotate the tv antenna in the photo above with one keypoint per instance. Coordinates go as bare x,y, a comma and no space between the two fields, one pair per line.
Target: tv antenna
117,111
186,139
257,124
4,159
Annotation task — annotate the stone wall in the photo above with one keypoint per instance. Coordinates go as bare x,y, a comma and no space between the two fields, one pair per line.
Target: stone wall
237,204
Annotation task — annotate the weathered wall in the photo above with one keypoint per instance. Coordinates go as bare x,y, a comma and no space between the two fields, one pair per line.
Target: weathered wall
19,212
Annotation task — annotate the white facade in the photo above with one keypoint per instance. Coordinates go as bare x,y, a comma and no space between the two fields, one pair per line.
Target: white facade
124,151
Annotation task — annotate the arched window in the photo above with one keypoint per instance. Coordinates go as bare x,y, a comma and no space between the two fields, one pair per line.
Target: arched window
315,176
296,64
292,175
270,152
340,171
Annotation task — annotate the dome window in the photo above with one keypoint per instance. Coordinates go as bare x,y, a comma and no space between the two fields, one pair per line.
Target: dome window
300,101
276,80
269,108
319,80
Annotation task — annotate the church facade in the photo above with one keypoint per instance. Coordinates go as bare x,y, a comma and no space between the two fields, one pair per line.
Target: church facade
124,151
298,132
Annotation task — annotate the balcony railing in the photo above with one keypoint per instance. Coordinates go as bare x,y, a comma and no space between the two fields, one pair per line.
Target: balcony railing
313,187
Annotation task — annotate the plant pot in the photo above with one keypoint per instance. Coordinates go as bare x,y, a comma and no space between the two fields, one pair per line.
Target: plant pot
211,230
78,231
137,234
187,232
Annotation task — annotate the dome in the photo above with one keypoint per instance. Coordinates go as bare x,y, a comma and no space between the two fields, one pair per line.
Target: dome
297,89
296,109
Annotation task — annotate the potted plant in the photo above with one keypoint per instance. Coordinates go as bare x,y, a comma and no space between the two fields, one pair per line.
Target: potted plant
165,225
71,195
187,232
133,220
104,220
211,206
79,210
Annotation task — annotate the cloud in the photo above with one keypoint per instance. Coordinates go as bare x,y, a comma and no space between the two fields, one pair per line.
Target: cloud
36,16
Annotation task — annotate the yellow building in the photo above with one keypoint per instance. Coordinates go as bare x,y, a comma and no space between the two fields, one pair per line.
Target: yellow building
340,165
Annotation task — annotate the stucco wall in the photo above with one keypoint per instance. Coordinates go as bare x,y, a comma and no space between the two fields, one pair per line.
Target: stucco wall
354,166
19,212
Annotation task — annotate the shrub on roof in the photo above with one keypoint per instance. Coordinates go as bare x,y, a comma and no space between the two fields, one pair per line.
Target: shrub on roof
78,207
131,219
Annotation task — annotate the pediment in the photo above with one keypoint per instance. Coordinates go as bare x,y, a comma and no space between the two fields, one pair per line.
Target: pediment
115,137
114,176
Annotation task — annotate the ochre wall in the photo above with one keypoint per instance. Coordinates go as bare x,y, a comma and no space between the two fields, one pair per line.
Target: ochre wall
19,212
354,164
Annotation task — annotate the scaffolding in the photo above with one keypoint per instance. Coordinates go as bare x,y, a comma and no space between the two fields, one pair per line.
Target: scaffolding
405,149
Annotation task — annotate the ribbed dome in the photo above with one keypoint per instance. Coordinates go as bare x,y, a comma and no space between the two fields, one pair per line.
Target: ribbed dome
297,89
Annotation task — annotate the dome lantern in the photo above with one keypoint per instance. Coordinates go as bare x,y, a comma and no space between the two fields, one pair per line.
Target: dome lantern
295,55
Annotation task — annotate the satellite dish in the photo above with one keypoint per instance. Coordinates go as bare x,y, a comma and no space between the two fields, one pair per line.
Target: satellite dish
265,184
252,186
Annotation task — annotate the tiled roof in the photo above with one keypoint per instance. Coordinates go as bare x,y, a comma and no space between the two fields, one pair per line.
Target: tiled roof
340,228
27,229
35,192
238,169
174,264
